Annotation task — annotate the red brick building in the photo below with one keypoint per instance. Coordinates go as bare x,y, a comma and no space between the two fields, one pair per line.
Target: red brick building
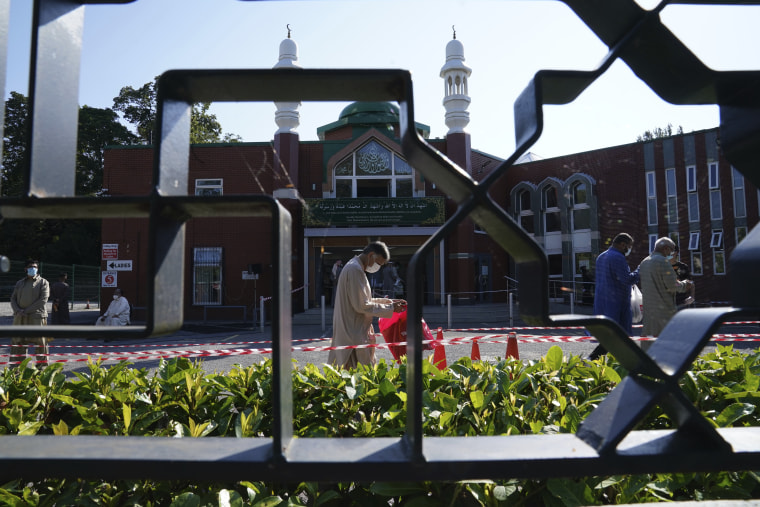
354,185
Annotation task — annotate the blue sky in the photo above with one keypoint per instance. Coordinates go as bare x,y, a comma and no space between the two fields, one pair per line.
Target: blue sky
505,43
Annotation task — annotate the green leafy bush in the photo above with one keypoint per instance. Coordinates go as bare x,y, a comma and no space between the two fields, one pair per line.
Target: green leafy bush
509,397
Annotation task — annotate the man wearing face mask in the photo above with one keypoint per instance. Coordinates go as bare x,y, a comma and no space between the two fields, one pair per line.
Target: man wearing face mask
659,286
612,294
355,308
29,304
117,313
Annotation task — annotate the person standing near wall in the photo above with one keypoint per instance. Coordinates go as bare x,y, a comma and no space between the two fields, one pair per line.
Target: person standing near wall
612,295
683,299
334,275
659,286
60,293
355,308
29,304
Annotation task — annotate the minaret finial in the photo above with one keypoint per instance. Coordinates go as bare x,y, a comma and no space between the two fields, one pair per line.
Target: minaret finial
454,30
288,27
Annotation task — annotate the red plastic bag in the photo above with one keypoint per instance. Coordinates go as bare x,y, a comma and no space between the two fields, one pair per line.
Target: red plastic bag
393,330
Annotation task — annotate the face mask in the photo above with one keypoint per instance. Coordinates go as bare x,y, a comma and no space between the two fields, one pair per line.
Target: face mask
115,297
669,257
627,252
31,271
373,268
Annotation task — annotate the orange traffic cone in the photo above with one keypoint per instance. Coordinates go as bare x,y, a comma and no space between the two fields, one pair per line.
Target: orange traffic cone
475,354
439,354
88,305
512,346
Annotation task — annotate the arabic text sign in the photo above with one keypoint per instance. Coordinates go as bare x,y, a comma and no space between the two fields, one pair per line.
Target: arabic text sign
375,211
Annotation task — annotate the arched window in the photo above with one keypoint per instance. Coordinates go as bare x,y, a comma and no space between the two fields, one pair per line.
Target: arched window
552,222
525,211
373,171
581,209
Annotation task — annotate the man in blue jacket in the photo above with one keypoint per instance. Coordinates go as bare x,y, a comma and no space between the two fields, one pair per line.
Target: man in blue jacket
612,296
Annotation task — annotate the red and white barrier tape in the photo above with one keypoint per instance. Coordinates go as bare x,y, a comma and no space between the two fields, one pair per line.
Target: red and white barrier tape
462,340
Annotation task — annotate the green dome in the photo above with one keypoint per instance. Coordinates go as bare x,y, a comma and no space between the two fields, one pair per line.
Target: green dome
375,109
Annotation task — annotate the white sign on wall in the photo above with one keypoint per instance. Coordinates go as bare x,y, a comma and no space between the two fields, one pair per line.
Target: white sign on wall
119,265
109,279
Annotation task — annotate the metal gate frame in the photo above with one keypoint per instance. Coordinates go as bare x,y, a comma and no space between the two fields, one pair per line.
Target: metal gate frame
605,443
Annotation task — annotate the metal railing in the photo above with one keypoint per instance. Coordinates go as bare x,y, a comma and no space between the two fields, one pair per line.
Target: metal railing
604,444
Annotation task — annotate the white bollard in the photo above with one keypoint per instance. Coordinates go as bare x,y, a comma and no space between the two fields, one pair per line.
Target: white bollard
261,312
448,302
323,312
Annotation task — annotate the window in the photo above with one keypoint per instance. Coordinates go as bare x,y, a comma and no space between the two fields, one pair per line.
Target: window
373,171
740,205
696,263
525,211
581,210
675,239
651,199
693,241
552,221
713,168
209,186
207,276
741,233
719,262
716,205
691,178
716,241
719,256
670,189
692,196
652,241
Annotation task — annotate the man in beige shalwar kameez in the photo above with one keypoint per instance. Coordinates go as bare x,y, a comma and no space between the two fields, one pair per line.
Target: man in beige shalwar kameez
355,308
658,288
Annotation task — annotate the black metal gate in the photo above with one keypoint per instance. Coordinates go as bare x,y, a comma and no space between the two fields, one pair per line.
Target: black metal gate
605,444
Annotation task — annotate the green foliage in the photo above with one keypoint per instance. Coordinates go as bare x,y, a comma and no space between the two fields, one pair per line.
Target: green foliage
139,107
659,133
510,397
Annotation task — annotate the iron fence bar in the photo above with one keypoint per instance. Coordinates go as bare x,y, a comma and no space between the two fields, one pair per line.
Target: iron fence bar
376,459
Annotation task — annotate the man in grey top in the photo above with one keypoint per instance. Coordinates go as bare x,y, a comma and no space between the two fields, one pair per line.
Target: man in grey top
658,287
28,301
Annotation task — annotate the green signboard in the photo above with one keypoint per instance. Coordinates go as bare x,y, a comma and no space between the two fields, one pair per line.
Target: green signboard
374,211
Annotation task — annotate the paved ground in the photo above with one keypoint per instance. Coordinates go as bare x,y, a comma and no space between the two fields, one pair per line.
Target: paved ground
224,344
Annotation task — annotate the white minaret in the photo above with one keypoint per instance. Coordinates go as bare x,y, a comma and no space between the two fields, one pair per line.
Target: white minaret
287,116
455,74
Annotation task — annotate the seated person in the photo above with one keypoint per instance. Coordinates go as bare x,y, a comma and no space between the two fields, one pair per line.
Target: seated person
117,313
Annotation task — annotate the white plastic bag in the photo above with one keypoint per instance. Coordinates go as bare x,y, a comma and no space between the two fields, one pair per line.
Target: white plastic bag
637,305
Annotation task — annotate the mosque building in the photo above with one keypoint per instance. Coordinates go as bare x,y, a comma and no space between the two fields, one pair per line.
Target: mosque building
354,185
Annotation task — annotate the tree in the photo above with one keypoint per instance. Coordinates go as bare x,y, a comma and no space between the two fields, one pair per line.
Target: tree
98,128
54,240
15,140
139,107
658,133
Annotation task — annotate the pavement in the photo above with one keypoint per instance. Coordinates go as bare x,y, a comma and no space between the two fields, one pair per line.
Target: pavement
224,344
